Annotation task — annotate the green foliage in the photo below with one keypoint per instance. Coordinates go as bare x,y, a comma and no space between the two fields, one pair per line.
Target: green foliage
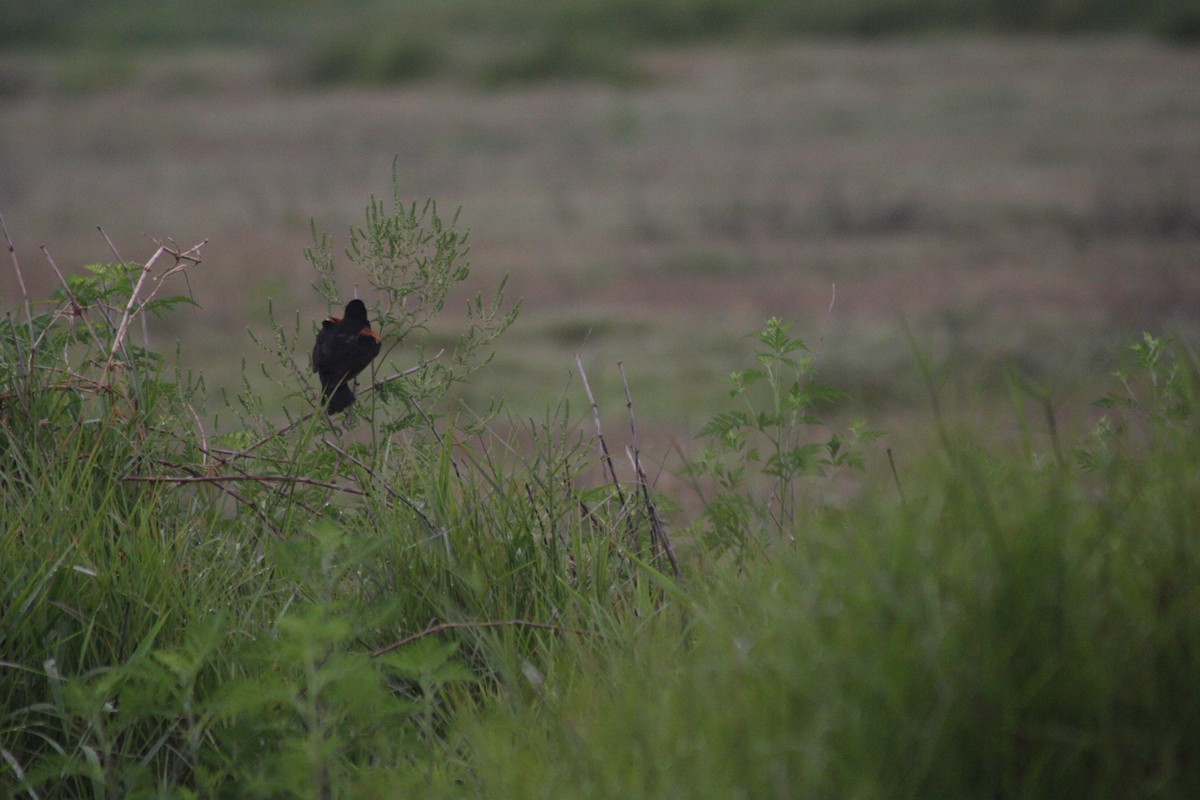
419,598
88,578
756,455
313,714
1155,407
1005,631
412,260
245,612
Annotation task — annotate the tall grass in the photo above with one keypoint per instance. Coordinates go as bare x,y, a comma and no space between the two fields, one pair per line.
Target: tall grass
264,609
1010,629
417,598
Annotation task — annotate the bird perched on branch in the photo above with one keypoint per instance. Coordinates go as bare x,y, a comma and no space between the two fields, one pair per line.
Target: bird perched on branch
345,346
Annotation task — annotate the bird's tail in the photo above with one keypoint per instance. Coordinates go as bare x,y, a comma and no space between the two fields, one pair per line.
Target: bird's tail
341,398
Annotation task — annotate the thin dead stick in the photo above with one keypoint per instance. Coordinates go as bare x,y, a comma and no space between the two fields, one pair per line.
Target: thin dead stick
121,261
12,254
599,433
121,329
225,456
241,478
658,531
254,509
896,476
76,308
358,463
612,471
182,259
203,436
173,249
123,326
206,468
825,328
294,423
387,488
446,626
111,246
433,429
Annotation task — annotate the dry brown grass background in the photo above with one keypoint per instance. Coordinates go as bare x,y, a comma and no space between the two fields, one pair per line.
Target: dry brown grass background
1017,202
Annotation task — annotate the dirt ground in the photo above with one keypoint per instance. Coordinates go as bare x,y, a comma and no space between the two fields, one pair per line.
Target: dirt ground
1016,203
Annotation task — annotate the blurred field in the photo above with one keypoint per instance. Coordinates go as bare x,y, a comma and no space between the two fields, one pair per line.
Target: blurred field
1019,203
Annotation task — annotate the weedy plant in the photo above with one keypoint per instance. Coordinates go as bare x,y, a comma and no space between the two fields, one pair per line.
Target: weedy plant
1011,627
93,569
414,598
757,454
1154,406
290,608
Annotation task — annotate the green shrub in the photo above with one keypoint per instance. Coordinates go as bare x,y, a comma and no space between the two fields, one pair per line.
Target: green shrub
422,598
1012,628
757,453
249,609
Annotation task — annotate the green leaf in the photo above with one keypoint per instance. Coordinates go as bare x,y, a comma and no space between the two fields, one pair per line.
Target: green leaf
724,423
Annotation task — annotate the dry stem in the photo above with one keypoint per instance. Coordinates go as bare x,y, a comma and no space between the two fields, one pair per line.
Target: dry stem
373,387
658,531
599,433
251,478
433,628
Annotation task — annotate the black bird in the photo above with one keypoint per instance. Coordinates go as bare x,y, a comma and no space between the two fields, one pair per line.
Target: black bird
345,346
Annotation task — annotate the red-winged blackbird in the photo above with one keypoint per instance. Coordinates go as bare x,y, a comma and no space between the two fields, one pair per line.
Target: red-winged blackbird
344,348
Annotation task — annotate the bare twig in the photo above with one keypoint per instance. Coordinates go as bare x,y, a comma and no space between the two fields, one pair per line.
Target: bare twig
896,476
433,429
357,463
244,478
226,456
816,356
599,433
112,247
123,326
612,471
135,305
255,508
373,387
192,254
203,436
12,254
183,260
658,531
392,492
121,261
76,309
433,628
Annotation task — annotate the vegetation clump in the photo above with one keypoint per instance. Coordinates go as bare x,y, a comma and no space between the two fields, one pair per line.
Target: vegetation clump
423,598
